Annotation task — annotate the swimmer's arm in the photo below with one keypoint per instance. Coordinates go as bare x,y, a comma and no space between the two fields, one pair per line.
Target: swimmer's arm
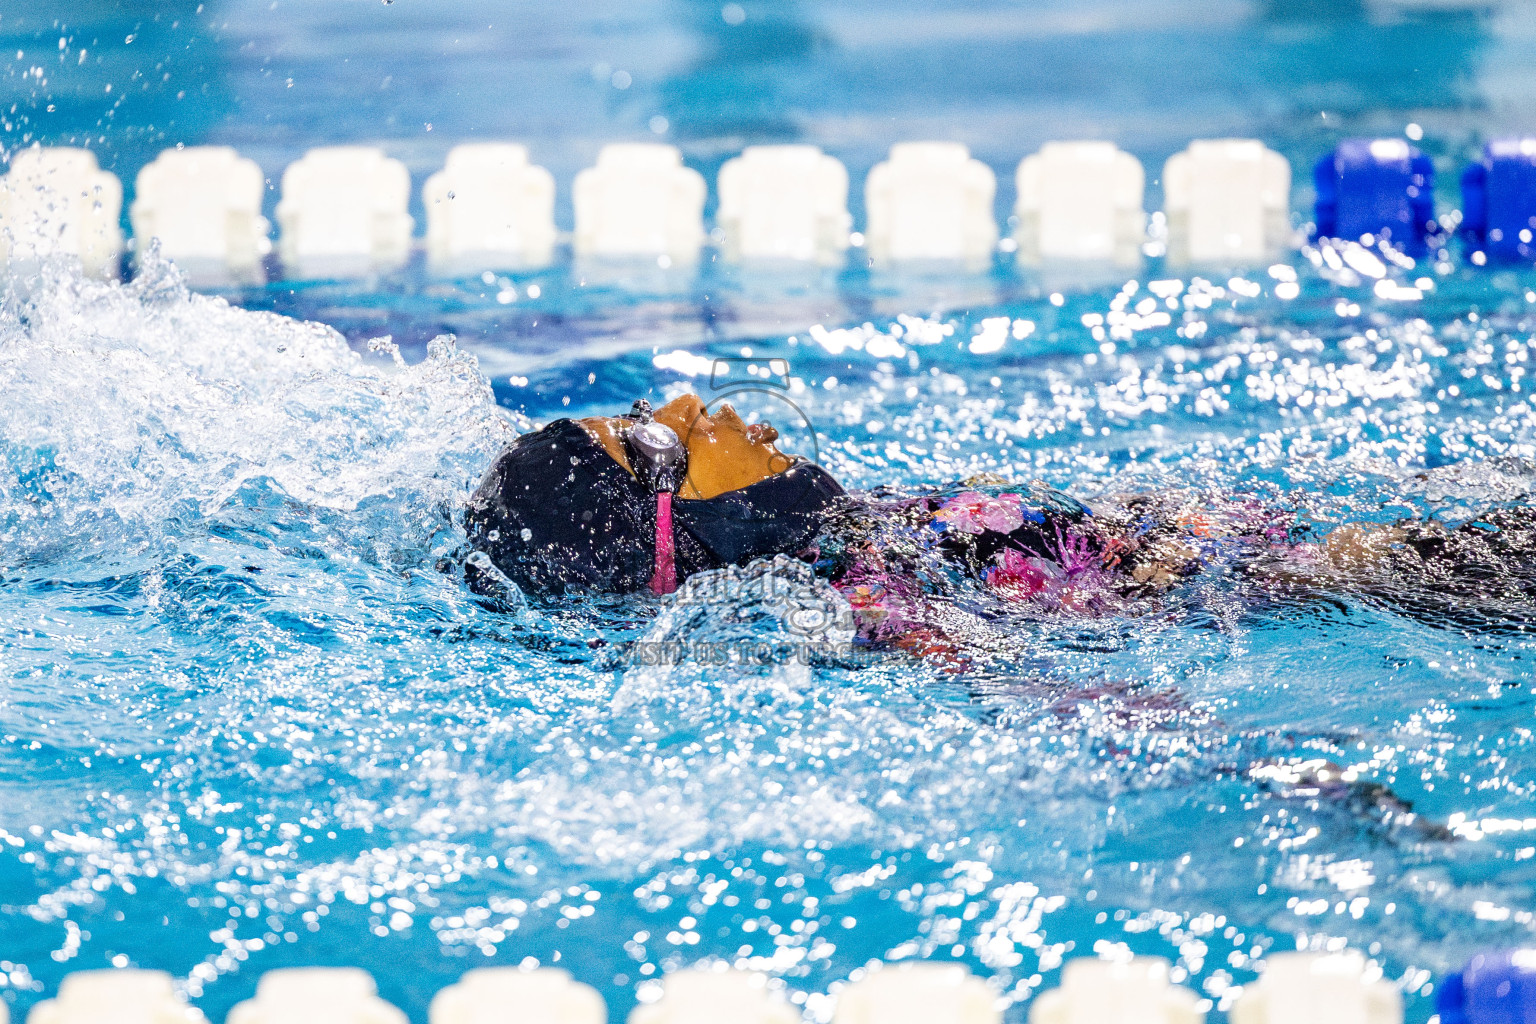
1349,553
1164,564
1157,575
1357,546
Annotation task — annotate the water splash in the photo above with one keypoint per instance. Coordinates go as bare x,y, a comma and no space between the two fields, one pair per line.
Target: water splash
139,415
245,698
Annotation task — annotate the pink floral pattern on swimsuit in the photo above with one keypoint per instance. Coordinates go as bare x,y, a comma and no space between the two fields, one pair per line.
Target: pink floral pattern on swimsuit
1016,575
974,512
885,604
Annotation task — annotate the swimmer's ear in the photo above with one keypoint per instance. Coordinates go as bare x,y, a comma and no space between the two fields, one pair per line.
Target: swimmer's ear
693,424
605,431
689,487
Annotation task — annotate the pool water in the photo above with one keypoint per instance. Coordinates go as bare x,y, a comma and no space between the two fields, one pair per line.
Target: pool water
252,718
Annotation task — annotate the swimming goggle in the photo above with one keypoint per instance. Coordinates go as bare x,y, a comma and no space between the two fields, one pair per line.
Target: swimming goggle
659,460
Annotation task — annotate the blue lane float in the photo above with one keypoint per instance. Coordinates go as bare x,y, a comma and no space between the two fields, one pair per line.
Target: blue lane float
1498,199
1493,988
1376,189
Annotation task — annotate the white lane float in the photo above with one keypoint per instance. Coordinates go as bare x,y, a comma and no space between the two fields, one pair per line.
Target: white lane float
639,201
1228,201
705,996
510,995
202,204
57,202
1080,201
784,203
931,202
316,995
1132,991
116,997
343,213
1319,988
918,993
489,208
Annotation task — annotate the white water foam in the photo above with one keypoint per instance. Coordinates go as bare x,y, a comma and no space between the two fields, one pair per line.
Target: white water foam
131,409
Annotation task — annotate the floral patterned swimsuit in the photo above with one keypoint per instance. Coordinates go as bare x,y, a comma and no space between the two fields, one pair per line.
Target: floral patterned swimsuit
903,562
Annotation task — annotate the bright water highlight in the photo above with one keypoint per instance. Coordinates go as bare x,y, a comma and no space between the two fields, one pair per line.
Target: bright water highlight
253,718
250,717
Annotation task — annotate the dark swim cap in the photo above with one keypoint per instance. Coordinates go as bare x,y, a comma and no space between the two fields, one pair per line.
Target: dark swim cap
556,511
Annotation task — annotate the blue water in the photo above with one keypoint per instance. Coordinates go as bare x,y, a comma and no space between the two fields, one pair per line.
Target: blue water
251,718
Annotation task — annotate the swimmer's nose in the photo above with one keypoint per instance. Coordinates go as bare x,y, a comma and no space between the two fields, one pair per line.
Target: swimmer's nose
762,433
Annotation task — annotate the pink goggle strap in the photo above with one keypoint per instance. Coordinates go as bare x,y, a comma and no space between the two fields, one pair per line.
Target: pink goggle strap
664,576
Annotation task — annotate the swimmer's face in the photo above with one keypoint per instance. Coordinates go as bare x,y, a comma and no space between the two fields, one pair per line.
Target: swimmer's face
725,453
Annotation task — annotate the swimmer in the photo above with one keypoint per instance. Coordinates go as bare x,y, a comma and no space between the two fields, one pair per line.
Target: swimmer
644,500
1480,574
